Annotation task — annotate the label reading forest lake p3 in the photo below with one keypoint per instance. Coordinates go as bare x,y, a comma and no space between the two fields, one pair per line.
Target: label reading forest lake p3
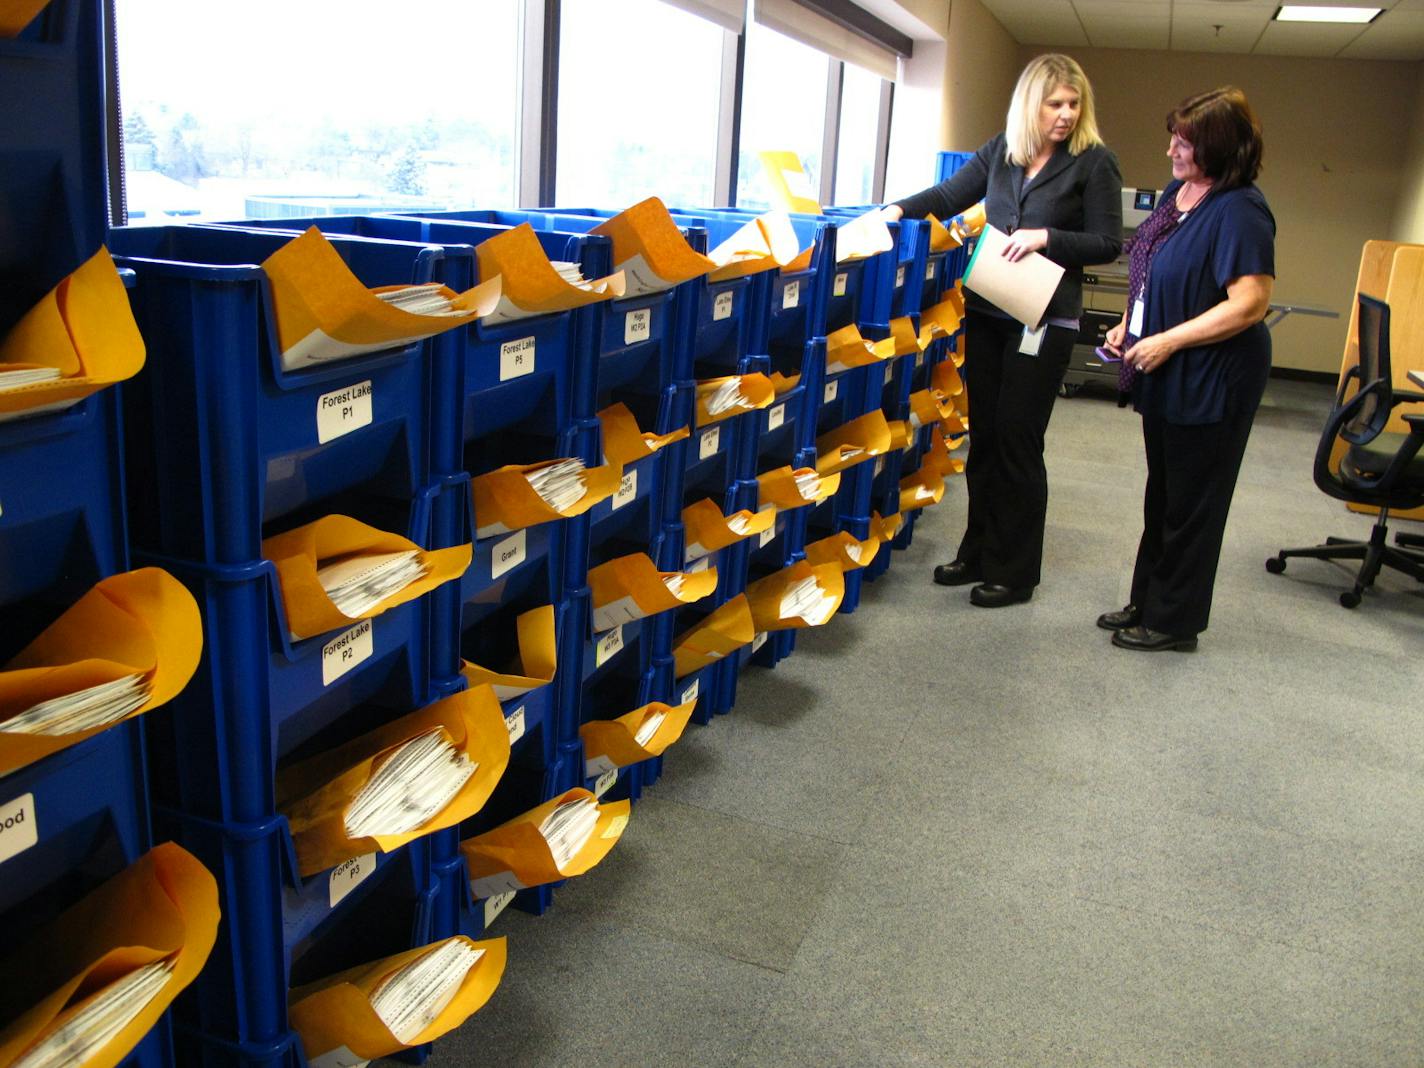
341,654
343,411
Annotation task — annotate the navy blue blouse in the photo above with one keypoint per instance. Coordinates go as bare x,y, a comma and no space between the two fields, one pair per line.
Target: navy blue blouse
1230,234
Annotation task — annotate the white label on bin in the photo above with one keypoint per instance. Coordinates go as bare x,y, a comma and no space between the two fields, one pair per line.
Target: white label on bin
900,276
879,466
840,286
343,411
605,782
791,295
514,723
627,490
497,904
348,875
919,360
758,641
341,1057
638,326
766,537
700,564
832,388
516,358
707,444
19,826
343,653
929,272
722,306
2,510
608,646
690,694
507,554
776,417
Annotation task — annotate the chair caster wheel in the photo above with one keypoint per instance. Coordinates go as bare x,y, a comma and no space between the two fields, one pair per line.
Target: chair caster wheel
1275,565
1350,599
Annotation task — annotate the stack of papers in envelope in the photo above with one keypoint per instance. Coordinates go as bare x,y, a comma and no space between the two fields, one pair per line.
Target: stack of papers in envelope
727,396
573,275
26,376
560,483
359,583
410,999
739,524
421,300
413,784
83,710
568,827
808,483
79,1033
649,728
807,601
674,582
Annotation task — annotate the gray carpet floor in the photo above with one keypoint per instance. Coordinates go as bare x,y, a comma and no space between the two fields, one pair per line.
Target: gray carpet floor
941,835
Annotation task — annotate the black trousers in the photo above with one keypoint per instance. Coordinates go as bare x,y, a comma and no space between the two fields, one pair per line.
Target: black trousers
1011,397
1191,475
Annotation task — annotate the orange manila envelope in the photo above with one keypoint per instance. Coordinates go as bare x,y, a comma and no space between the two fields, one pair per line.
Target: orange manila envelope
755,391
631,587
315,793
844,550
162,906
779,488
788,184
945,378
845,349
85,329
139,623
624,443
945,317
611,743
900,436
955,296
650,250
864,236
927,407
725,631
324,312
781,383
885,528
338,1026
861,439
531,285
921,489
515,856
907,342
708,530
969,222
941,240
764,595
505,501
297,554
538,658
765,242
15,15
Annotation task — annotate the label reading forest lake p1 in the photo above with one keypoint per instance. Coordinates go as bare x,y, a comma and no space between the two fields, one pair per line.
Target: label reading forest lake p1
343,411
19,826
341,654
348,875
516,358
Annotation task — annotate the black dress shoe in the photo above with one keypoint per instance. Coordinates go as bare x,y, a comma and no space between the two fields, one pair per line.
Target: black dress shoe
957,574
1129,616
988,595
1153,641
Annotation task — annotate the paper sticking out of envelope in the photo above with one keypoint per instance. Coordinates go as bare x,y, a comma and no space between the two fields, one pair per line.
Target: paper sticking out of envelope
630,587
1022,288
864,236
128,645
381,1008
941,238
722,398
788,488
650,250
921,489
79,338
944,318
423,772
325,313
524,495
861,439
846,349
535,665
353,548
726,630
531,284
787,183
86,988
969,223
15,15
801,595
624,443
706,529
844,550
763,243
639,735
563,837
928,406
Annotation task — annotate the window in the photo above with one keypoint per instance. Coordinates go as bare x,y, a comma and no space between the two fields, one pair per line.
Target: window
860,123
336,107
639,90
783,109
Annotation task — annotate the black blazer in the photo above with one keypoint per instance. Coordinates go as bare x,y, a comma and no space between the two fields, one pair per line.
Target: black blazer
1077,199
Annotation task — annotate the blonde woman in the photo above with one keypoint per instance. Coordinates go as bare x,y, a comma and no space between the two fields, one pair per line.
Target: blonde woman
1051,184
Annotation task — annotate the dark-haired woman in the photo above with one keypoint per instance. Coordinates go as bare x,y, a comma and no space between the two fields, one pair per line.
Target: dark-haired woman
1195,356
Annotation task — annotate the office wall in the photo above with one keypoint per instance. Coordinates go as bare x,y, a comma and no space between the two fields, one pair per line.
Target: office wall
1409,212
1335,166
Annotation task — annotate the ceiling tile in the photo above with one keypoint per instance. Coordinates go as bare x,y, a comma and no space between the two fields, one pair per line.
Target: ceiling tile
1304,39
1127,32
1395,35
1238,37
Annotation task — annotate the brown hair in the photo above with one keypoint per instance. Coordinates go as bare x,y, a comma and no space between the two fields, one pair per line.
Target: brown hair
1224,133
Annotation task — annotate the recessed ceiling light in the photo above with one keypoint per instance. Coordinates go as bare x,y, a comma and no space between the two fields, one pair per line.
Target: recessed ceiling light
1314,13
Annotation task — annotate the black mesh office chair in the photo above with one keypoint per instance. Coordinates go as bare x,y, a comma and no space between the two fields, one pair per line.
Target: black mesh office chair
1381,469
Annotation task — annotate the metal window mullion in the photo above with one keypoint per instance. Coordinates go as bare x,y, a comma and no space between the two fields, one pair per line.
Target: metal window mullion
882,142
729,118
835,78
539,104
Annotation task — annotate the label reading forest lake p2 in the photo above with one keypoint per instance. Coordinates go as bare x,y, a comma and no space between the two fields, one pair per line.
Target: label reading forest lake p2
343,653
343,411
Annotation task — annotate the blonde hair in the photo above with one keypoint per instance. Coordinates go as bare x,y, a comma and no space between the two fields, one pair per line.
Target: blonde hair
1039,79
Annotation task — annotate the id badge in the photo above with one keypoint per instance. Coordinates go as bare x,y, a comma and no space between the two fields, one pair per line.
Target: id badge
1031,340
1139,312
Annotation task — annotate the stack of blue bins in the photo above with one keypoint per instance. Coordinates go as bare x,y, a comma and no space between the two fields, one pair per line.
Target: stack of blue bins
72,820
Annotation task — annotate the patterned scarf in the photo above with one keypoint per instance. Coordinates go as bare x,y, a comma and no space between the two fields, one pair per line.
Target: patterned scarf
1141,249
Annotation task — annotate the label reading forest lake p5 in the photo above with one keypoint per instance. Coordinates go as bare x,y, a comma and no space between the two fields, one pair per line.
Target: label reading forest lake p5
342,411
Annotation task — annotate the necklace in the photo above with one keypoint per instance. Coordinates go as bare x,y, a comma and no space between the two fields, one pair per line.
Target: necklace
1187,209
